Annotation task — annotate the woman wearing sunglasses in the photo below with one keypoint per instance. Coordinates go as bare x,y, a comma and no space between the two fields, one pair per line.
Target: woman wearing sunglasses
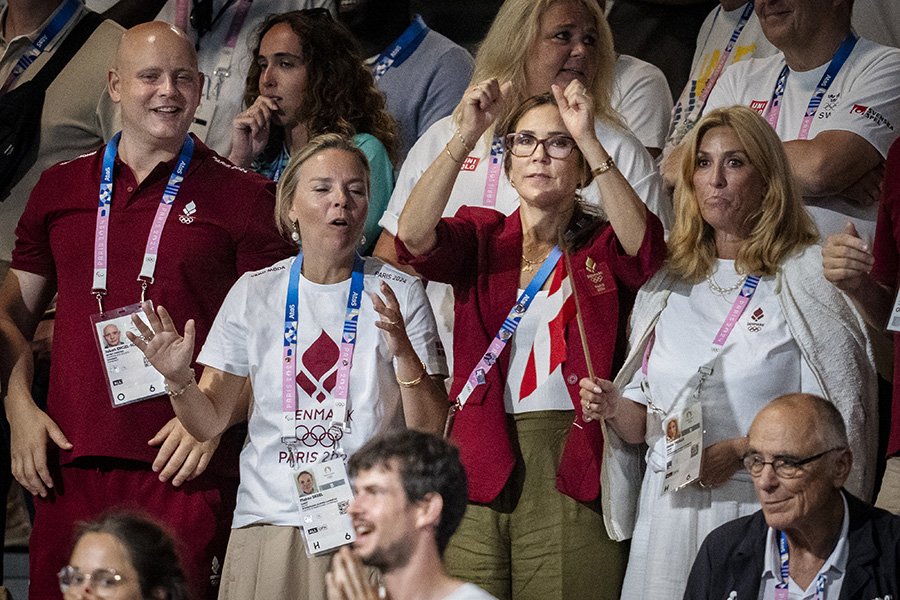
307,79
534,526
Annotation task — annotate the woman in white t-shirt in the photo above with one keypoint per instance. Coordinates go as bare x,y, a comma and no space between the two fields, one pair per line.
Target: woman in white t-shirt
740,315
300,313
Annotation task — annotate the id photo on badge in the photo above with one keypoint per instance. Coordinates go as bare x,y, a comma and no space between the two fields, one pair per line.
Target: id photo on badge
129,375
306,483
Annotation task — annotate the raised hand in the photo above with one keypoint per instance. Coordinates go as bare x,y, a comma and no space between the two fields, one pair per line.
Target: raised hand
847,259
391,323
348,578
576,107
164,347
250,131
481,105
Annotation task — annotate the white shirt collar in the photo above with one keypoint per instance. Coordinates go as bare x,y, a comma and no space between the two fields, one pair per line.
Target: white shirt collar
834,566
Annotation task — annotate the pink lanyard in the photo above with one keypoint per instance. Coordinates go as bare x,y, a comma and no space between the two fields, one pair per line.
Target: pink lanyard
840,57
493,177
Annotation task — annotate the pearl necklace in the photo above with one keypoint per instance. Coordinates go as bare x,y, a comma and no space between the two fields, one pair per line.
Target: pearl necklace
715,288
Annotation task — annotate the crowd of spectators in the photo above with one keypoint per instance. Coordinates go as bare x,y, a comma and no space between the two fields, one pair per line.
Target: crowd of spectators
273,251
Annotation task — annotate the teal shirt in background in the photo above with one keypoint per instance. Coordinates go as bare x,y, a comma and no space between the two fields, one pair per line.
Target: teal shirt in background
381,183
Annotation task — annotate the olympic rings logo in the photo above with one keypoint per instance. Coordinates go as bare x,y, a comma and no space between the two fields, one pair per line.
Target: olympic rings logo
318,435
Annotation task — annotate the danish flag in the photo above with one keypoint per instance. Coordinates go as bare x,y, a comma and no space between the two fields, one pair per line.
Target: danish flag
549,348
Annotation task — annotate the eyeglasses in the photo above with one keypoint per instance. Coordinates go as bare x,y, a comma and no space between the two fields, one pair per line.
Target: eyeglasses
101,581
524,145
784,466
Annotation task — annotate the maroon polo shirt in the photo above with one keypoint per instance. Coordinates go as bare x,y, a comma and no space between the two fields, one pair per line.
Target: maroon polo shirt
221,225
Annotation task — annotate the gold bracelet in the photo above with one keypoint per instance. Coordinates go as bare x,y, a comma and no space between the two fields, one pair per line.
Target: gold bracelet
416,381
453,158
173,393
463,140
606,166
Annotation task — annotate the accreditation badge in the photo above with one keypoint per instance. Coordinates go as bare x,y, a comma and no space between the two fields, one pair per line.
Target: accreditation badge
684,447
324,495
894,320
129,375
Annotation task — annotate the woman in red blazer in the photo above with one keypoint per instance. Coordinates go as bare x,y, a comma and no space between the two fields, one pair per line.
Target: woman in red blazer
534,526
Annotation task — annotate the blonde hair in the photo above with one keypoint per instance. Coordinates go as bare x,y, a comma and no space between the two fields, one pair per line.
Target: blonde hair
287,184
777,229
503,54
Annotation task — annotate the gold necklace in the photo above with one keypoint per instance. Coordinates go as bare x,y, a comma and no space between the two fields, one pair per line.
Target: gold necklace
530,263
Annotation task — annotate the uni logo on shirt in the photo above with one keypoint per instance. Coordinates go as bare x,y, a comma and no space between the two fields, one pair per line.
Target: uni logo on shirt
469,164
759,105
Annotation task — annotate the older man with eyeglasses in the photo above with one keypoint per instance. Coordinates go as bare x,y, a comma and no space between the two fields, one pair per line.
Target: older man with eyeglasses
811,539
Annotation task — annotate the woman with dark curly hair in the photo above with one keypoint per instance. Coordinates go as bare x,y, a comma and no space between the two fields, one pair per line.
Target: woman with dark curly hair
308,78
123,556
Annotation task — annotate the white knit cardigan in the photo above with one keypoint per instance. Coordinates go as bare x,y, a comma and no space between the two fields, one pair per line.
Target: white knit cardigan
832,338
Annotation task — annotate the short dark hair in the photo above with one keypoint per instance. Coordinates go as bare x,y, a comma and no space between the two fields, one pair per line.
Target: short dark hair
427,465
150,550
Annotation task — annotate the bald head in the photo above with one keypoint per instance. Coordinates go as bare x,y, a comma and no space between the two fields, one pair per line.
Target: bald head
157,86
811,417
154,34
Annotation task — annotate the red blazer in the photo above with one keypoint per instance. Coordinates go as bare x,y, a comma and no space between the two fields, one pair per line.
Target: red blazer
478,253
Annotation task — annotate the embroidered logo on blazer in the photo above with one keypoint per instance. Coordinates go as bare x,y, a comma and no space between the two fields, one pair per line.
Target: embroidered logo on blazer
599,279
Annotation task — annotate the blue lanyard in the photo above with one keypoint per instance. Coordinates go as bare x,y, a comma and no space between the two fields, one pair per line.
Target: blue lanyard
510,324
101,236
781,588
400,50
280,165
840,57
43,40
289,358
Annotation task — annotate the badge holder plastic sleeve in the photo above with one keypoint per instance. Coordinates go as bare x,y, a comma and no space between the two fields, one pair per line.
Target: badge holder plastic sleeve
324,511
138,380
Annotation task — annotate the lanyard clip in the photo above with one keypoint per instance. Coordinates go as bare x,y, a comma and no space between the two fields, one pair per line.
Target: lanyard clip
220,74
145,283
99,295
704,373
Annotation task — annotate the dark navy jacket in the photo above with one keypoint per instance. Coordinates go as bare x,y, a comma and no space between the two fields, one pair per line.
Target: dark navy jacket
729,565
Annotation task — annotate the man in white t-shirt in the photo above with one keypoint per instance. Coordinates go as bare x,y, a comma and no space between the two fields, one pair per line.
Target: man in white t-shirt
715,49
411,495
836,138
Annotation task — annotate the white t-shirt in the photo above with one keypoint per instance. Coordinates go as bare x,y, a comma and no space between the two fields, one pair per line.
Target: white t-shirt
641,95
469,591
759,362
538,349
629,154
714,35
246,340
864,99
